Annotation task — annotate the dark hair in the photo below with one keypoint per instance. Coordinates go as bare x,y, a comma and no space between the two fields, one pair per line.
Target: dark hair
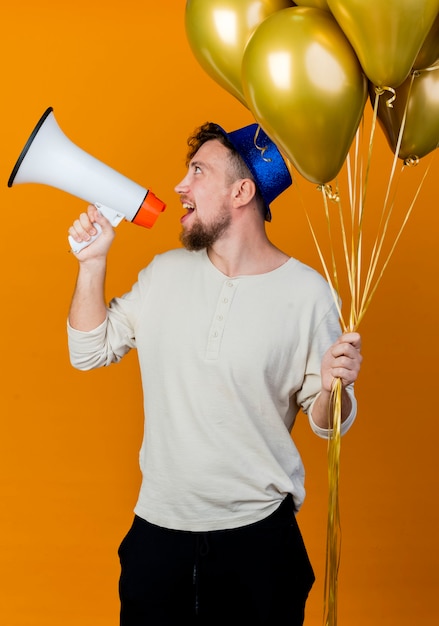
207,132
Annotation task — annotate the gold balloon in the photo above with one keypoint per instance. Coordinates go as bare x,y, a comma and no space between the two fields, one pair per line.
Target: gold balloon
419,95
317,4
429,52
218,31
304,85
385,34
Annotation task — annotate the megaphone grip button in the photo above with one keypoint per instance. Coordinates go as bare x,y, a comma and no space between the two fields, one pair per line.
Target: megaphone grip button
149,211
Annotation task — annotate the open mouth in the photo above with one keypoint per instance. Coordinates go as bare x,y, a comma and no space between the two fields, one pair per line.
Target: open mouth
189,210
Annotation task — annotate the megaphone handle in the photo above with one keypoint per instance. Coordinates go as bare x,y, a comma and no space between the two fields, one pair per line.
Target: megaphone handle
114,217
78,246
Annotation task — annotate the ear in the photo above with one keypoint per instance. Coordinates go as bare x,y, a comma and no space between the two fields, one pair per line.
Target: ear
243,192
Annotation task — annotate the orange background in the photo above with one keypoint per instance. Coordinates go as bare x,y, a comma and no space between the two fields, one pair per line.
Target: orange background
126,88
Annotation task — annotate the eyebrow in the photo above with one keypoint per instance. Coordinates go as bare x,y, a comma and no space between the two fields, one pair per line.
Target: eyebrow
196,163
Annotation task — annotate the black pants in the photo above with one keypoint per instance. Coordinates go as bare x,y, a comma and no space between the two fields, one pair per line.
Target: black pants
254,575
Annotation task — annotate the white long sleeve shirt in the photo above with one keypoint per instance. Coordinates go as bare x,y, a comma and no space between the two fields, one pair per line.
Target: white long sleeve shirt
226,364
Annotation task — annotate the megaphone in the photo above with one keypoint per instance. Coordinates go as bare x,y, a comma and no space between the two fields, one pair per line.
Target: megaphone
50,158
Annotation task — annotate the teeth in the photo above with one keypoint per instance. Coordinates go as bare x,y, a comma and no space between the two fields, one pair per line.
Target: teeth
189,207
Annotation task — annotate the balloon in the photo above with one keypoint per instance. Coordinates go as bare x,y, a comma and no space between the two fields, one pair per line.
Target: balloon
218,31
385,34
304,85
421,129
317,4
429,52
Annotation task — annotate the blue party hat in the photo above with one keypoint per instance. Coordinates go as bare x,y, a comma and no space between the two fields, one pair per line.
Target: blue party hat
264,161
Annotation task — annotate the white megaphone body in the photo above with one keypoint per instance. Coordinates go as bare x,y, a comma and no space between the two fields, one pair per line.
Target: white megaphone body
50,158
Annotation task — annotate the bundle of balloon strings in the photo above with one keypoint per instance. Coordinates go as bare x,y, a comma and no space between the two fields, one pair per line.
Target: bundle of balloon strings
362,281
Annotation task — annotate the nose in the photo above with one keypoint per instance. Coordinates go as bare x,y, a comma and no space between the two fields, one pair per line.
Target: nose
182,186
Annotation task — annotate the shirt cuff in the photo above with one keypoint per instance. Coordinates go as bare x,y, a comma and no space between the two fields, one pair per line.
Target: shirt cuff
326,433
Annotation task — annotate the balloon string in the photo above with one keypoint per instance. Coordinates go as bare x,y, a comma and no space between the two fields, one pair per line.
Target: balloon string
362,286
380,90
386,213
333,531
432,68
327,190
262,149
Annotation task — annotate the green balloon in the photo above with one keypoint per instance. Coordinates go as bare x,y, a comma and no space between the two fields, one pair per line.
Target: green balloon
429,52
304,85
386,34
218,31
419,96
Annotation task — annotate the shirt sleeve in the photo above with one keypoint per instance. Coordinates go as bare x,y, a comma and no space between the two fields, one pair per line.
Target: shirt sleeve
112,339
325,332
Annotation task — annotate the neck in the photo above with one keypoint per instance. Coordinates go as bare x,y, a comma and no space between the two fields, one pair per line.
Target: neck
247,254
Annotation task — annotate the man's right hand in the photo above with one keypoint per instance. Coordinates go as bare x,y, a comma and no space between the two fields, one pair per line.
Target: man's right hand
83,229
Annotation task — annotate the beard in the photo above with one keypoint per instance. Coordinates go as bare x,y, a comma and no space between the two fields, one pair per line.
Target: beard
202,236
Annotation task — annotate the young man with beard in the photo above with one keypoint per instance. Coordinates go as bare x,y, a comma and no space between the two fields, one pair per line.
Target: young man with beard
233,338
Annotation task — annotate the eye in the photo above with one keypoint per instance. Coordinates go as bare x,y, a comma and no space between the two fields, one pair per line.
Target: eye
197,169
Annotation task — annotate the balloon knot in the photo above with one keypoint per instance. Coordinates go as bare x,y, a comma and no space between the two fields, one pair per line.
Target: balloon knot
411,161
329,193
379,92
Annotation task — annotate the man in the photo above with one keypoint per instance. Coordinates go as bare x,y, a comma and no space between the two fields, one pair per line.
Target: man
233,337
